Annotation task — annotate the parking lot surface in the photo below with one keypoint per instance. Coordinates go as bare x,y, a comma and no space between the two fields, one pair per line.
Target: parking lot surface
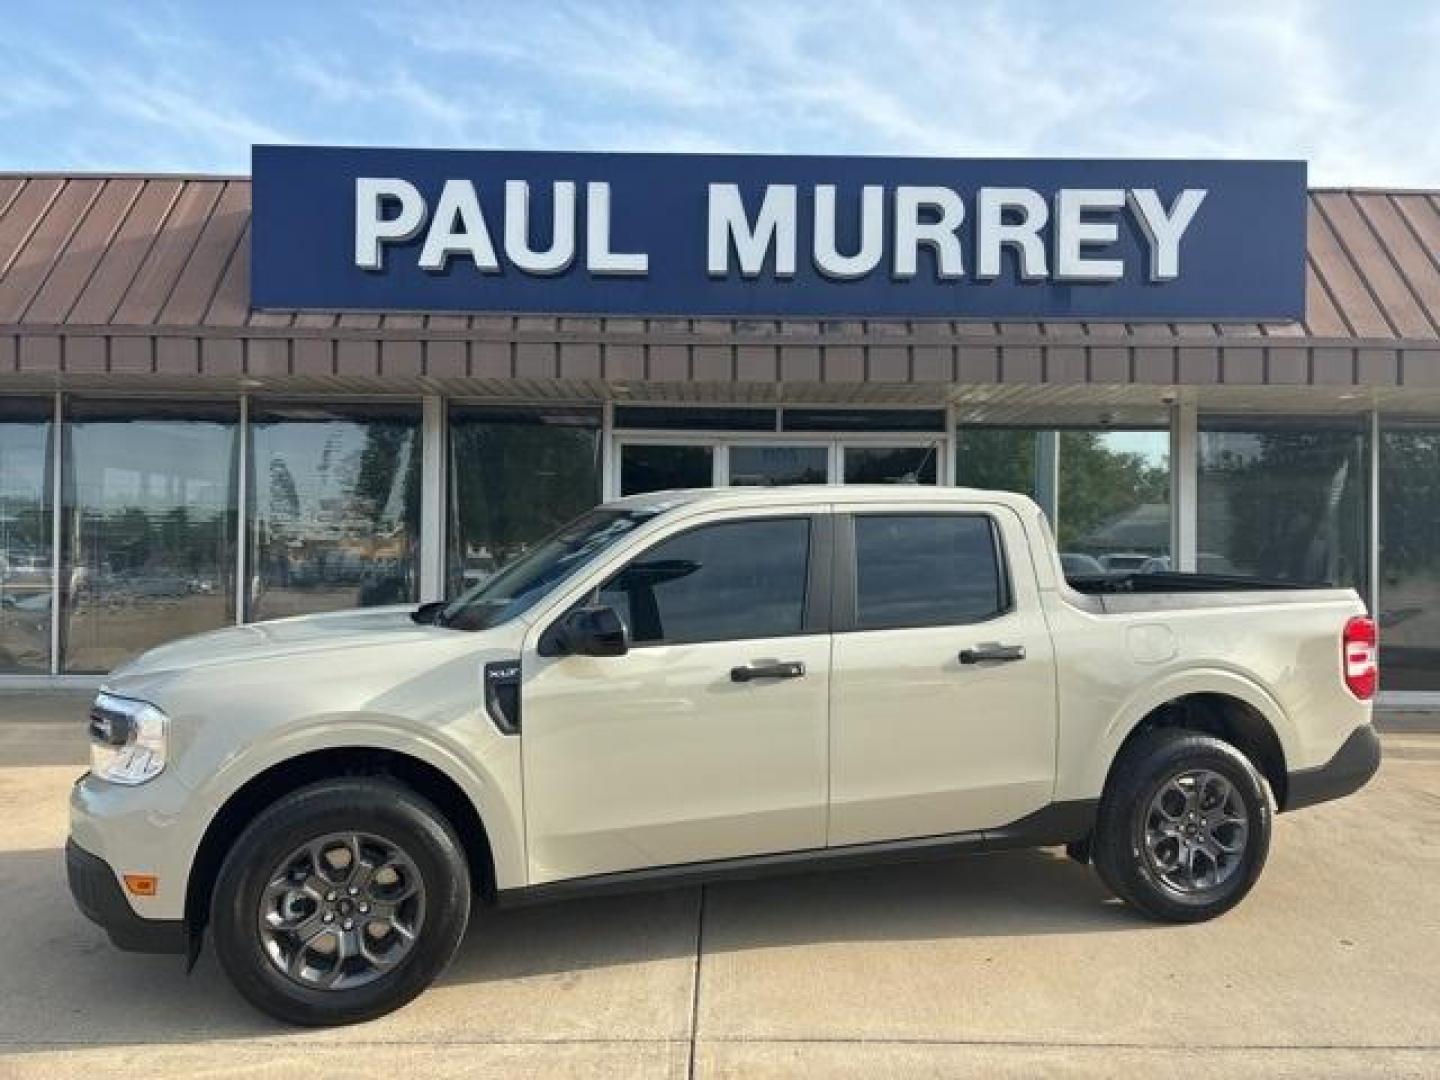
994,965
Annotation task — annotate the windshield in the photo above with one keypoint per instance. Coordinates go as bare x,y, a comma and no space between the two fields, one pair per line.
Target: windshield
525,580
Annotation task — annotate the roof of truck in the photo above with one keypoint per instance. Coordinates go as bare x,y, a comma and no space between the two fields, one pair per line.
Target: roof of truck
820,494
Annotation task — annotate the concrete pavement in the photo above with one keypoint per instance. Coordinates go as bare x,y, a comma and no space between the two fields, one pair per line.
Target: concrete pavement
1000,965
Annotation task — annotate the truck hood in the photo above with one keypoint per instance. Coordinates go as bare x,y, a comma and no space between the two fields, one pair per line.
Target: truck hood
306,634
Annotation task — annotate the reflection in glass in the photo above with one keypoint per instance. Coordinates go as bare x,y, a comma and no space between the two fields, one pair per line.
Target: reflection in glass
515,477
891,464
733,581
653,467
26,565
769,466
149,516
1410,557
996,459
1115,498
335,495
1113,490
1283,499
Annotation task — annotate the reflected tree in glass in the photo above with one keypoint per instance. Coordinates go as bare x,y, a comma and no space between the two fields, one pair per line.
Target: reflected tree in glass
149,540
336,515
515,477
1285,502
26,558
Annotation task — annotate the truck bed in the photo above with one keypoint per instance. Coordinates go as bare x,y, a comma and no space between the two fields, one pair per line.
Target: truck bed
1175,591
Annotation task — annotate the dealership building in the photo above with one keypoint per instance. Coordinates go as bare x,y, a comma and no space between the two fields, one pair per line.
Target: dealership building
354,381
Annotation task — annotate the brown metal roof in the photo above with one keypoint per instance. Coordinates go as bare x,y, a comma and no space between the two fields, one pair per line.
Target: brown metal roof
150,274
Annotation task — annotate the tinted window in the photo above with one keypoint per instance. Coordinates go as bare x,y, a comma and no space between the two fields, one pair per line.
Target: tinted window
925,570
740,579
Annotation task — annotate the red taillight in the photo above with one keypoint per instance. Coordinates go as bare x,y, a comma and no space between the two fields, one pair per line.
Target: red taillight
1360,656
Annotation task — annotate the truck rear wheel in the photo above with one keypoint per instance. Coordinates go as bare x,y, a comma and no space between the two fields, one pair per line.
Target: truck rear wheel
340,902
1184,826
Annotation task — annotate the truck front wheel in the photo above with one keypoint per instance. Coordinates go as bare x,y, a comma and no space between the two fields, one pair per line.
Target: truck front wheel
340,902
1183,827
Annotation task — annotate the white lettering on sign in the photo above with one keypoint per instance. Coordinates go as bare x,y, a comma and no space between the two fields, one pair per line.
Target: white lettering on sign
1065,244
1163,228
458,229
938,233
374,228
828,259
1029,213
774,227
1074,231
599,259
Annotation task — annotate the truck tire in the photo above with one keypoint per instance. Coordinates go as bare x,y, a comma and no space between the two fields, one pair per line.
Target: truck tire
340,902
1183,827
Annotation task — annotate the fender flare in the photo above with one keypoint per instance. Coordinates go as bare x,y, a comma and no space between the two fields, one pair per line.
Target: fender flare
392,734
1214,681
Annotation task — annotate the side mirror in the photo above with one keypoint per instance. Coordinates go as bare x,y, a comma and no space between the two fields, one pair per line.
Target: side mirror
586,631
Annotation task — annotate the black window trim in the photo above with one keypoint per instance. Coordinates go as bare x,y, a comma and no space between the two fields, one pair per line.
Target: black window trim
816,611
846,571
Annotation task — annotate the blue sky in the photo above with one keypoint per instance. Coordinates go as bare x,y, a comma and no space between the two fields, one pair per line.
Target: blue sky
188,87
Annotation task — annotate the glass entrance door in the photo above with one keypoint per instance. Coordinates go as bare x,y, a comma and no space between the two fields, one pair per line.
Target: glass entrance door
885,464
649,462
663,466
769,465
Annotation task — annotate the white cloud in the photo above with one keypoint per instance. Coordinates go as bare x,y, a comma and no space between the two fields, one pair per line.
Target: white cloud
1320,80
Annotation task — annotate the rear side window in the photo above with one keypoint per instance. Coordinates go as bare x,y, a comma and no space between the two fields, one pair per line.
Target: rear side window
724,582
926,570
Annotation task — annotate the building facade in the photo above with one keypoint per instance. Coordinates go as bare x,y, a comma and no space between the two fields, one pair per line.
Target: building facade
174,459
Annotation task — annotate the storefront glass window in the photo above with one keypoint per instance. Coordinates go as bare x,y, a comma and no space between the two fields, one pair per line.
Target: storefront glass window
1113,510
149,527
1410,556
996,458
26,557
1283,499
515,477
1115,500
335,508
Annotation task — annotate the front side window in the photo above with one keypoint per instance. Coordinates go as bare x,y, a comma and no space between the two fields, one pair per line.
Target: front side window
926,570
736,580
522,583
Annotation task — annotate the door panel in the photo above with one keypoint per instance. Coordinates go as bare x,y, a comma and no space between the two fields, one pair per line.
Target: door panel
659,757
922,743
668,754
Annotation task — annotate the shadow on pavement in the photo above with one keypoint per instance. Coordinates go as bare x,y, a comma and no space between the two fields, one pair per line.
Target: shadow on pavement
62,983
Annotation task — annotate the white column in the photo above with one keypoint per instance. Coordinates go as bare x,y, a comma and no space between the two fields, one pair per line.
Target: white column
1047,476
945,475
1184,478
433,486
609,480
1373,592
242,520
57,527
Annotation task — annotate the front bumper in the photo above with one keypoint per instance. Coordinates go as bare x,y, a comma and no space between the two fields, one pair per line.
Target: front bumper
97,893
1348,771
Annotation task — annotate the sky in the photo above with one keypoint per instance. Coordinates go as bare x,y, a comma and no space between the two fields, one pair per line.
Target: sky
114,86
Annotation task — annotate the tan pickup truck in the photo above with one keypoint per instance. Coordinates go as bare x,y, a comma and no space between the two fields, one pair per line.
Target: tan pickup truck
691,685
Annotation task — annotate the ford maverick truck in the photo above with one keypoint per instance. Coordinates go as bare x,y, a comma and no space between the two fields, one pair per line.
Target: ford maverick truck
685,686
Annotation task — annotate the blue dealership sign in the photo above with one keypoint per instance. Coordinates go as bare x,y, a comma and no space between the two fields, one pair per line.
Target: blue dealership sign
749,235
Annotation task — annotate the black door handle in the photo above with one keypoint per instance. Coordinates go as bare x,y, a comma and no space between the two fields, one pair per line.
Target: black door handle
991,652
787,669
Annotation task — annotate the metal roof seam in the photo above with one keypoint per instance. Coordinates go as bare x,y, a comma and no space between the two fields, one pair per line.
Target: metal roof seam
159,230
1396,265
1355,266
30,230
110,238
61,247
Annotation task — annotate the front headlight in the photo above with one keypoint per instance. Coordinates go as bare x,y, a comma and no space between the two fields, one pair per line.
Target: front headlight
127,740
